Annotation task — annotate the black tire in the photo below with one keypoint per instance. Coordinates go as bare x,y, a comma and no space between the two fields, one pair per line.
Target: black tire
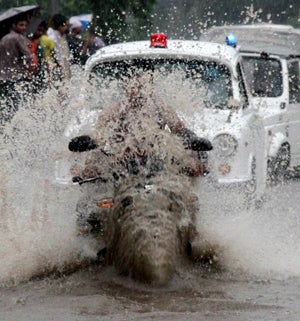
278,166
253,200
251,186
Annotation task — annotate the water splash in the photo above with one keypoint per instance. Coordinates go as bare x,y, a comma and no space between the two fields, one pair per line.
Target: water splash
37,218
262,242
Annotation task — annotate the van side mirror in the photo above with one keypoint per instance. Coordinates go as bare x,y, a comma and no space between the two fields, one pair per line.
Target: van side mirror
82,144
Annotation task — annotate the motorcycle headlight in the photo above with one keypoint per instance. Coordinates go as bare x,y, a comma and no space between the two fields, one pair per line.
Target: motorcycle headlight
225,145
106,202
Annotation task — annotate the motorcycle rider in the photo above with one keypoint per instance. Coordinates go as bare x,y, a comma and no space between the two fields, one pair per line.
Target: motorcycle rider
139,105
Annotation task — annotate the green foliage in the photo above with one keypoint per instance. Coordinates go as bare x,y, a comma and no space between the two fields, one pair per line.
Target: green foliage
48,8
122,20
188,18
75,7
6,4
117,20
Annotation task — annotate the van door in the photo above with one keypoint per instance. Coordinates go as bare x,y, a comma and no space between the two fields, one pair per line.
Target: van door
267,84
294,110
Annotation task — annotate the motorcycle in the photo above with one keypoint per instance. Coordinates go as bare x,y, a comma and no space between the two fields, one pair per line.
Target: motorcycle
138,203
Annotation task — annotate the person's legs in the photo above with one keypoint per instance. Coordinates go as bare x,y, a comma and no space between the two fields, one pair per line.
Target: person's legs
12,96
7,101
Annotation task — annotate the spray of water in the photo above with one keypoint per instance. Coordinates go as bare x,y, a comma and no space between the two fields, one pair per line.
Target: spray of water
259,241
37,217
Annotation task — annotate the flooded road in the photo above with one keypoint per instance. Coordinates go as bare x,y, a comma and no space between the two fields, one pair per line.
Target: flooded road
98,294
43,275
259,279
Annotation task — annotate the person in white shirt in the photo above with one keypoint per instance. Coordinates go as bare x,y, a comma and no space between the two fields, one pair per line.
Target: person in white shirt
57,32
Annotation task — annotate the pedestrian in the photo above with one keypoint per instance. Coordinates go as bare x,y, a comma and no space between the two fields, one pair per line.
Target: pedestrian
75,42
57,32
48,46
16,68
38,57
93,42
123,120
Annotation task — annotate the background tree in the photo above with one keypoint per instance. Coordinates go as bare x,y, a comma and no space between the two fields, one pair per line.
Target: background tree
120,20
50,7
117,20
188,18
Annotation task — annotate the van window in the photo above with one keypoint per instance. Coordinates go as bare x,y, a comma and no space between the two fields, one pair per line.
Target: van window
294,82
263,76
203,80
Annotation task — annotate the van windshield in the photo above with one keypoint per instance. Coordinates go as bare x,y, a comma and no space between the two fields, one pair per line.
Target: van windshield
206,82
263,76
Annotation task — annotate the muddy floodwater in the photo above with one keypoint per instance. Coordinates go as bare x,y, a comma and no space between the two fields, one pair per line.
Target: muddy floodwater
44,273
259,280
96,292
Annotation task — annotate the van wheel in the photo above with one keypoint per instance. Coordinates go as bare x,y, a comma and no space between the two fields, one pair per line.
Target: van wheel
251,186
277,166
254,198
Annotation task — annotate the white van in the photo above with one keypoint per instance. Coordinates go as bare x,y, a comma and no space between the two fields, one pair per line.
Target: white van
205,83
271,58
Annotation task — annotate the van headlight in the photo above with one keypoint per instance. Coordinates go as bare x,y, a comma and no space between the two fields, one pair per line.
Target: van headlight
225,145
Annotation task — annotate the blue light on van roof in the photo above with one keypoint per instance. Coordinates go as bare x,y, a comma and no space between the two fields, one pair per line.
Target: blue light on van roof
231,40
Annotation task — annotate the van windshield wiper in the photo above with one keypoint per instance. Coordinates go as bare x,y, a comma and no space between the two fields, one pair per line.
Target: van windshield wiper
79,180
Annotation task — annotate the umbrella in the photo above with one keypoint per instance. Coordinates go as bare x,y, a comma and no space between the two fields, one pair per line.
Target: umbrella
7,17
85,19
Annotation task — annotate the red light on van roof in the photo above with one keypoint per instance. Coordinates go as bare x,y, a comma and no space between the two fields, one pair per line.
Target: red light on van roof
158,40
